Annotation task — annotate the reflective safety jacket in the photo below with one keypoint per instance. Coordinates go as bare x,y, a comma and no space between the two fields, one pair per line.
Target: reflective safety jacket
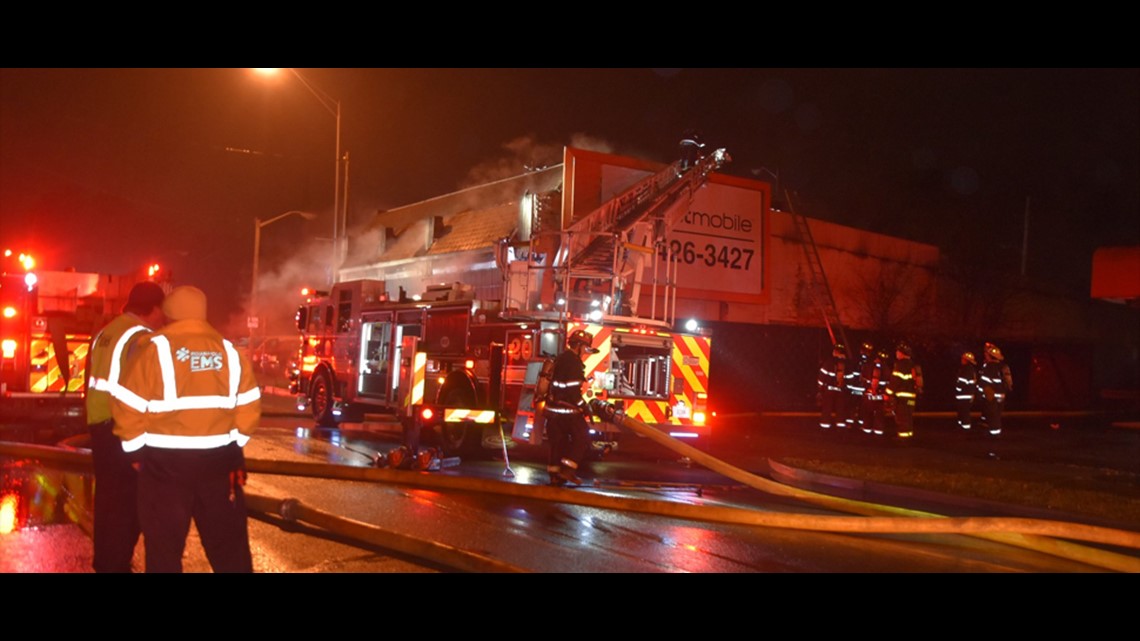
187,389
566,385
835,374
906,380
107,357
967,382
995,380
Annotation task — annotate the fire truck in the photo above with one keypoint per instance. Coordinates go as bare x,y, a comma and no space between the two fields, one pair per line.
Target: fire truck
47,321
462,368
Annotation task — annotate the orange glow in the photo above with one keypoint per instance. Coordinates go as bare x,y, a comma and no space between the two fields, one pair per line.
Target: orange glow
699,418
440,380
8,348
469,364
9,312
266,71
27,261
305,291
152,270
8,513
427,413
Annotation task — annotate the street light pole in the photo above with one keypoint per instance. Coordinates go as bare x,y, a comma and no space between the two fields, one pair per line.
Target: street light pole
331,105
257,225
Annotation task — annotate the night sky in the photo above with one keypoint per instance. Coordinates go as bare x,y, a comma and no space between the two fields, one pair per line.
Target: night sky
106,170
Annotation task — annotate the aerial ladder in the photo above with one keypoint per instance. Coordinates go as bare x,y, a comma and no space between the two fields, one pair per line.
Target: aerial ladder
612,242
819,288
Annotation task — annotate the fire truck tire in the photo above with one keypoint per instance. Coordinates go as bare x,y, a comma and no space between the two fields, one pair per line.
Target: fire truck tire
459,439
321,395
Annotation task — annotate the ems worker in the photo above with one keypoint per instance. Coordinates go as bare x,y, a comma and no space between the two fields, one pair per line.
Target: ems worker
874,410
186,406
965,387
116,526
834,374
566,409
994,382
903,388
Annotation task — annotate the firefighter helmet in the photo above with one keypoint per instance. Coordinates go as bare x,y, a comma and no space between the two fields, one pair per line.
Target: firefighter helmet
839,350
968,357
882,355
867,348
904,347
994,352
582,337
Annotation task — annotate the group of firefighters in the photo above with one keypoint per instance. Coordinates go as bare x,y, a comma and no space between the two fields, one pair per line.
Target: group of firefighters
877,396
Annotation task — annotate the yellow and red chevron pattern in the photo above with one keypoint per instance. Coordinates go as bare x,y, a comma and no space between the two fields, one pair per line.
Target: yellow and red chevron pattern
44,374
688,397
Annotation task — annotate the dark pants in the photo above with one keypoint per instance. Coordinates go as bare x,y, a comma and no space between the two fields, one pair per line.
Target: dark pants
991,414
116,501
963,405
569,437
873,415
176,486
904,416
833,403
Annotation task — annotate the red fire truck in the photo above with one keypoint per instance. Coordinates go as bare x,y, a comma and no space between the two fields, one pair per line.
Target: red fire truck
461,367
47,321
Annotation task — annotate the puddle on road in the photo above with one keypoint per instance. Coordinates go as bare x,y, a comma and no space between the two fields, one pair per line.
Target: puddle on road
33,496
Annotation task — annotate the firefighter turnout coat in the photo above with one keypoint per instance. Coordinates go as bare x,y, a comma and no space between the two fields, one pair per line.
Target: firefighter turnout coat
187,389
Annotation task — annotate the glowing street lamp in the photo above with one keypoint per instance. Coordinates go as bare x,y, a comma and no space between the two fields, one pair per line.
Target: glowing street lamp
333,107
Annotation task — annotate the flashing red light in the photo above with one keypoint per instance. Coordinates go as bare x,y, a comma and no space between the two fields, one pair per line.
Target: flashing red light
9,312
469,364
8,348
152,270
426,414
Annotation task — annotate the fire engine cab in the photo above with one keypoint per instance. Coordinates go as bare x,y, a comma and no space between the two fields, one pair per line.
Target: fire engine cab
463,367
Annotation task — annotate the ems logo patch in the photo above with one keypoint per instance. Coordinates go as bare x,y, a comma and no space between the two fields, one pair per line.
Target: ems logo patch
200,361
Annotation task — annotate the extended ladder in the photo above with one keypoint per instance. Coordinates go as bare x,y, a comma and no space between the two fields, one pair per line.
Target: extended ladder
820,289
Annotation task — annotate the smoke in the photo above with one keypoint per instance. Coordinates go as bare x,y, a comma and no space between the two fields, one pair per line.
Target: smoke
279,291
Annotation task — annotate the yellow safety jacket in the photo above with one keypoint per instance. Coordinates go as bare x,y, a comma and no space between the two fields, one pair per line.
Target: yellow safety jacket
107,357
187,389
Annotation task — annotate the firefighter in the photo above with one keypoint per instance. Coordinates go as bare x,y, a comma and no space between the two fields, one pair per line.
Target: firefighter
187,404
874,411
565,411
692,149
965,387
904,388
994,382
857,387
116,524
834,375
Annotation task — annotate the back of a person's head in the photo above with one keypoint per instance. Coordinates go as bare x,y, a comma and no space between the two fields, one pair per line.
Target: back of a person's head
144,298
185,303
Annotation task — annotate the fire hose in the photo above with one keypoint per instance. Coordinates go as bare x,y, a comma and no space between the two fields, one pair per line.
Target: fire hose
293,510
1034,534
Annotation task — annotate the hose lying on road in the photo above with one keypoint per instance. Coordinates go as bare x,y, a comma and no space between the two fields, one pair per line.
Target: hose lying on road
1026,533
1002,530
293,510
439,553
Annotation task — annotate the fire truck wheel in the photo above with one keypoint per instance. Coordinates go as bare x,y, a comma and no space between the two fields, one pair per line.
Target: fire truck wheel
456,439
322,397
